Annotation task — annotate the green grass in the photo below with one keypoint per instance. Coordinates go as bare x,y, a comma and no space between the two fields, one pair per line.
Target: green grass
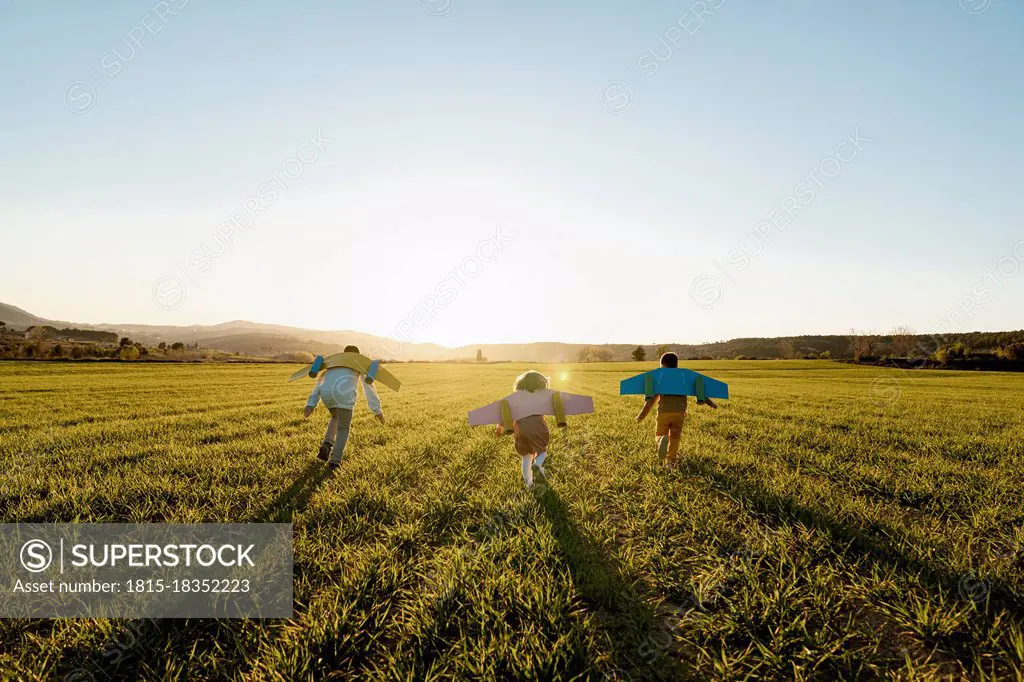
828,522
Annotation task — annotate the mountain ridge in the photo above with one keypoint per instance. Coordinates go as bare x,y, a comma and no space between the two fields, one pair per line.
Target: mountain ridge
267,339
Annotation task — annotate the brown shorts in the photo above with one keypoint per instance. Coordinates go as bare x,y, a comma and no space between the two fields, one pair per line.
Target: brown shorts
531,434
670,424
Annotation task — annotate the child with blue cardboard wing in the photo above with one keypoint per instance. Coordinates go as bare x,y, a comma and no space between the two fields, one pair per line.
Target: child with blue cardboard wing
668,387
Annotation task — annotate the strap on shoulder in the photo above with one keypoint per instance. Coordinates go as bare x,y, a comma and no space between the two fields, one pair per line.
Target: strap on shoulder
317,365
649,385
371,373
556,402
506,416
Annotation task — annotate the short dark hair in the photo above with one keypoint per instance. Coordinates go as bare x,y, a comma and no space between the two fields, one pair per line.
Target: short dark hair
351,349
670,360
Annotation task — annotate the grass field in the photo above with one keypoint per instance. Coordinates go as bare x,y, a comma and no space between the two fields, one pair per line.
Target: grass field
828,522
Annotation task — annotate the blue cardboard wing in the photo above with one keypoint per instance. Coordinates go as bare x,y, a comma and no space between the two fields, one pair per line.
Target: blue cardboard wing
674,381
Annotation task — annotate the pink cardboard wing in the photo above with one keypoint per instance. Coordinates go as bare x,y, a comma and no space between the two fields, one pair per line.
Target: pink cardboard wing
524,404
577,404
489,414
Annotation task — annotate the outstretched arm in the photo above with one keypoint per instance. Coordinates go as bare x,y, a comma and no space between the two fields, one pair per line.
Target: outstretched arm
373,400
646,409
707,401
314,397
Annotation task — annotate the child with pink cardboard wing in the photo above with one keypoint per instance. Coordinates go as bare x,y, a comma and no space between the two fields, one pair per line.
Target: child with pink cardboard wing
522,413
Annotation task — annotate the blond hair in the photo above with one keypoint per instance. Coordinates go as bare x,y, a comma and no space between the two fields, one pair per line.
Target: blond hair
530,381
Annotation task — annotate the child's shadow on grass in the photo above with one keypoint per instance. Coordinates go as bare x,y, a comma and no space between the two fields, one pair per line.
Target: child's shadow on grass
635,645
295,498
873,543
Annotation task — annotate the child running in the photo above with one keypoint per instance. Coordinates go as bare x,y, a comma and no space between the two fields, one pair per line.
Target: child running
523,413
671,414
531,433
338,388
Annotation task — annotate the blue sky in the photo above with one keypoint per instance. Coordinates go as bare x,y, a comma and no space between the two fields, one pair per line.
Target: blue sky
441,122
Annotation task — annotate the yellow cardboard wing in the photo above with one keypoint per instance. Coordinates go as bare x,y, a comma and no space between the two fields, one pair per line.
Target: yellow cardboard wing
354,361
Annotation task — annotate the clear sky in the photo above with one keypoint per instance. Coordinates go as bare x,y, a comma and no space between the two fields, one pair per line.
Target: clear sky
631,156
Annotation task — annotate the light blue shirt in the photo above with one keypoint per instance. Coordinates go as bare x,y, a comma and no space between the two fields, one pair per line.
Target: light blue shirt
339,387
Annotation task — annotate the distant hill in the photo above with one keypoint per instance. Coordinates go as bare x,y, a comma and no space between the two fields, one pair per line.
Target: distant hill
780,347
258,343
255,338
18,318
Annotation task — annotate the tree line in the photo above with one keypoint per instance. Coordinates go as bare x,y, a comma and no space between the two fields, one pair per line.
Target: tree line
46,342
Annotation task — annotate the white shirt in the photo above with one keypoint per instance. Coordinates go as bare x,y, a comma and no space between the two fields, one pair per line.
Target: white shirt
339,387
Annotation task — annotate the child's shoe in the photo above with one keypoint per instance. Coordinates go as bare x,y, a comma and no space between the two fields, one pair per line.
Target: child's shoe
325,450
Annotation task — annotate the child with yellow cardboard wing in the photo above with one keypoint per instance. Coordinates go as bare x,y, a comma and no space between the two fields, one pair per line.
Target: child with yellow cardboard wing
338,389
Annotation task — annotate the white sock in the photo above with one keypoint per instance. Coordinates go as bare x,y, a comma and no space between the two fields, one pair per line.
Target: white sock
527,470
540,458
